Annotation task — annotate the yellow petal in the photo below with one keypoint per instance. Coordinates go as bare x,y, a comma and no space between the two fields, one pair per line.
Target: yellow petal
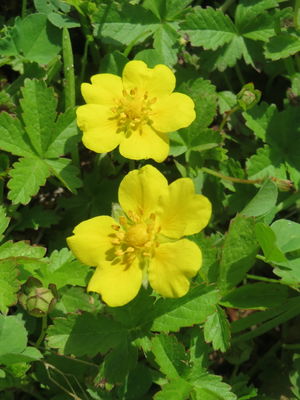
144,145
117,284
91,240
183,211
173,112
172,267
157,81
99,129
141,189
105,89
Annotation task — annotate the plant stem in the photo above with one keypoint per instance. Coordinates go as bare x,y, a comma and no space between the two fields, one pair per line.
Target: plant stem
227,115
226,5
24,8
43,331
296,14
239,74
231,178
68,70
262,278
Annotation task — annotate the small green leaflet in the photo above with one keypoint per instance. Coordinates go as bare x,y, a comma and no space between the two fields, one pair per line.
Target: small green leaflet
217,330
42,141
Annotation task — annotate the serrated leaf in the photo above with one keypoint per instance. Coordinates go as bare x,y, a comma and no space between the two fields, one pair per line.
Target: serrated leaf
256,296
282,46
263,164
211,387
16,250
66,172
173,314
177,389
75,299
239,251
27,355
166,43
9,284
39,113
4,221
217,330
209,28
36,217
63,270
27,176
65,134
166,9
170,355
259,117
12,136
85,334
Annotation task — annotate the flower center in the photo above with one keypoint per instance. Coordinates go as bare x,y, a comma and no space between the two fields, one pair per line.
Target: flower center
137,235
133,111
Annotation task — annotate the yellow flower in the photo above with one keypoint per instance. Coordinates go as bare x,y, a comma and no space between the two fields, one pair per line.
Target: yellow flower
146,244
135,111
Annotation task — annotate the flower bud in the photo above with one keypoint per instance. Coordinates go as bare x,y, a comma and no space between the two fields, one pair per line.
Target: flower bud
37,300
248,96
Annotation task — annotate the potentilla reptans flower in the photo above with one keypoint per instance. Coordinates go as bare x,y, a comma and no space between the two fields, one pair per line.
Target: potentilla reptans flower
146,244
134,112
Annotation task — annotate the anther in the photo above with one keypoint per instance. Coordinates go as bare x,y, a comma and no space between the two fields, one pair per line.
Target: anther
119,253
115,241
124,93
122,220
116,227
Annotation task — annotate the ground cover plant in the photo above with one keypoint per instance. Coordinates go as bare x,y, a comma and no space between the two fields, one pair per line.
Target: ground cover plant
149,217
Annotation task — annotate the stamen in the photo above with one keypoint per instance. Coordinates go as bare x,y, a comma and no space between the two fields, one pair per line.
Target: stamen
123,220
119,253
116,227
115,241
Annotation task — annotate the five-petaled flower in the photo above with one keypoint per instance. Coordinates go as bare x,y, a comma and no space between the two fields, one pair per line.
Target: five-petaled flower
146,244
135,112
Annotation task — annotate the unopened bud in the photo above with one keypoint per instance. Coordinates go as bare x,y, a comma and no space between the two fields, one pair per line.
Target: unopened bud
248,96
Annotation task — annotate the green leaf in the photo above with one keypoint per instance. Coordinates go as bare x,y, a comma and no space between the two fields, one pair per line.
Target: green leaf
170,355
32,38
28,355
36,217
217,330
256,296
226,101
177,389
85,334
75,299
12,136
282,46
264,165
65,135
39,113
63,270
12,343
263,202
124,24
287,235
62,21
208,28
205,97
193,308
238,253
211,387
19,250
4,221
66,172
166,43
259,117
166,9
267,240
26,178
9,284
120,361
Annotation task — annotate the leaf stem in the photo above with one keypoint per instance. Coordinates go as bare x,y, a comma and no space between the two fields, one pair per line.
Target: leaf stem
226,5
296,14
43,330
231,178
262,278
227,115
24,8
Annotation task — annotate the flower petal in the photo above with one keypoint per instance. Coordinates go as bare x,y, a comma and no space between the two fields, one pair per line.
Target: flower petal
118,284
173,112
183,211
91,240
173,265
99,130
105,89
148,144
140,190
157,81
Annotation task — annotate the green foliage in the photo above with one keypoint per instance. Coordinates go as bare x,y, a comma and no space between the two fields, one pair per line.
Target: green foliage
234,335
